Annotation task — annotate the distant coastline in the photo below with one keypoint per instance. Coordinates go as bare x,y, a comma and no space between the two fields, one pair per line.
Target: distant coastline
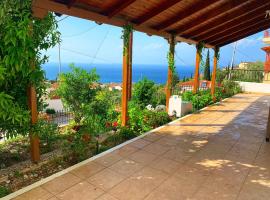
112,73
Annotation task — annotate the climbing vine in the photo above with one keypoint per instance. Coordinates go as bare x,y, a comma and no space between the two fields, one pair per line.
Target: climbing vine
127,29
217,53
23,38
171,62
200,47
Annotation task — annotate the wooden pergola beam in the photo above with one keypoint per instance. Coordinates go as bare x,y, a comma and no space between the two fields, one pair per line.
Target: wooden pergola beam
213,79
243,32
237,37
117,8
184,14
237,28
221,23
213,13
155,11
170,73
197,73
94,16
70,3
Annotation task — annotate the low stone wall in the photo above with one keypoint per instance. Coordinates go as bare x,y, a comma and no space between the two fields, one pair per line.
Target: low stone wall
255,87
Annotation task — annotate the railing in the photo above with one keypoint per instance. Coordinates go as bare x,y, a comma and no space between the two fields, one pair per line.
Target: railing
61,117
246,75
180,89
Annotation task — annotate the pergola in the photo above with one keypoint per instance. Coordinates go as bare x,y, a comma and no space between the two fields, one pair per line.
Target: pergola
214,22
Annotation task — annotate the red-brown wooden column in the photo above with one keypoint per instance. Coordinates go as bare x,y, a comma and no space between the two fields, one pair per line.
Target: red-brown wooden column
213,81
170,74
125,81
196,74
268,127
32,103
130,66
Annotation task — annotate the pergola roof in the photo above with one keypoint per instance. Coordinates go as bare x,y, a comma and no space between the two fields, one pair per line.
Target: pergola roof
214,22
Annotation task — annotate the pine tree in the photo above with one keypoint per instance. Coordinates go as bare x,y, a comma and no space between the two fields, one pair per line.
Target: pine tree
206,74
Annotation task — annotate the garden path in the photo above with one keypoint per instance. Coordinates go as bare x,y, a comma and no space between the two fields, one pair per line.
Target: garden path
219,153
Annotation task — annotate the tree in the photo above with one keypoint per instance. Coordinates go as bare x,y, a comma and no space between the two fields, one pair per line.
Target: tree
144,91
206,74
22,39
78,90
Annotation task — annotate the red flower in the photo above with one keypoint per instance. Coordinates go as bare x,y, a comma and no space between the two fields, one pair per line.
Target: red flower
115,124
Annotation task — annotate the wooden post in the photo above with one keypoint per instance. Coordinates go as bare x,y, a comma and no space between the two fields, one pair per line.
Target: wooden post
196,74
170,74
125,82
130,66
268,127
213,81
32,103
34,140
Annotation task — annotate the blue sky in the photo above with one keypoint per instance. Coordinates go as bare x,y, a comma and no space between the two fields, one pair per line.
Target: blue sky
84,41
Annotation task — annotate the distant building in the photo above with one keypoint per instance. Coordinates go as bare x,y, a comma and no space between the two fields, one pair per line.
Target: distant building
188,85
115,86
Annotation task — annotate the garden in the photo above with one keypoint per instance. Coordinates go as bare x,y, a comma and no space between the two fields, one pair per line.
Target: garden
96,118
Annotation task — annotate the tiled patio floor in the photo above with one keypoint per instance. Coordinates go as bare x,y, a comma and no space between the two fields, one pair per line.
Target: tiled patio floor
219,153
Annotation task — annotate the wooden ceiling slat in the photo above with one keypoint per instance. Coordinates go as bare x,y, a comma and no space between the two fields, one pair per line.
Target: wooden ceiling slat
243,35
243,13
241,31
232,27
155,11
94,16
117,8
219,10
184,14
70,3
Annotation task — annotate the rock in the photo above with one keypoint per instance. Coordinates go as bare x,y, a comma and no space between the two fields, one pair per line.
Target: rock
25,176
160,108
7,181
35,175
150,107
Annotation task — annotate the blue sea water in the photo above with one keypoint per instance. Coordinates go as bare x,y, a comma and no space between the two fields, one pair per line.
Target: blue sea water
113,72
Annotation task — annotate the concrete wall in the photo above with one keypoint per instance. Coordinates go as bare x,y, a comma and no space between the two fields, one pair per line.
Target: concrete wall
255,87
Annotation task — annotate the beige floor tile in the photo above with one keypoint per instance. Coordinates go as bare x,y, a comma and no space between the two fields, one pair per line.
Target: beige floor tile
126,167
217,188
61,183
139,185
167,142
87,170
35,194
142,157
106,197
81,191
152,137
109,159
156,149
126,150
165,165
53,198
140,143
105,179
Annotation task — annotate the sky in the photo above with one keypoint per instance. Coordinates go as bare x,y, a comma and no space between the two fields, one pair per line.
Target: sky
83,41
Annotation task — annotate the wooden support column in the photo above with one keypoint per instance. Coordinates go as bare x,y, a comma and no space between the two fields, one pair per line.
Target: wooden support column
268,127
125,81
130,66
170,74
32,103
196,74
213,81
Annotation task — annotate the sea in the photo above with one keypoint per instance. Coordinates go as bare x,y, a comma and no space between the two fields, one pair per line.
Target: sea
112,73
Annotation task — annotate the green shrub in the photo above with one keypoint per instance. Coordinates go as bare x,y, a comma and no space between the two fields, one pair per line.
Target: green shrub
127,133
199,100
4,191
156,119
231,88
